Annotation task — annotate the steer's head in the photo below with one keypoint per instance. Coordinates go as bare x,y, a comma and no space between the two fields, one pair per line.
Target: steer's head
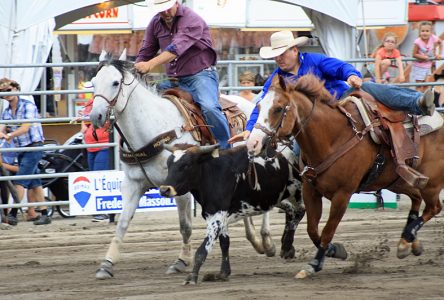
184,167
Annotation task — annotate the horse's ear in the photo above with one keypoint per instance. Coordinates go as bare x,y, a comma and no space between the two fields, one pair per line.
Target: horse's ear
123,55
103,55
282,83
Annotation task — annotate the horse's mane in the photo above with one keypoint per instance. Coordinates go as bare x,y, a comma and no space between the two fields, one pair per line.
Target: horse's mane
127,66
313,87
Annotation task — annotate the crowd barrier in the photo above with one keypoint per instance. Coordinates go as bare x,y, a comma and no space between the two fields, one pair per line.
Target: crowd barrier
231,88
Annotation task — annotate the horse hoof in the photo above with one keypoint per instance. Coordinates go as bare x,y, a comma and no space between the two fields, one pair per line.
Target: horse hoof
179,266
105,270
417,248
305,273
403,249
340,251
103,274
270,252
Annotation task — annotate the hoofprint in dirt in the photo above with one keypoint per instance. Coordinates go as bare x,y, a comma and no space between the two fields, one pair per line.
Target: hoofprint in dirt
59,261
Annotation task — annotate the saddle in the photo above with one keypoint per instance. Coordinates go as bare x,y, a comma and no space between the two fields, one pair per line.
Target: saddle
195,122
390,130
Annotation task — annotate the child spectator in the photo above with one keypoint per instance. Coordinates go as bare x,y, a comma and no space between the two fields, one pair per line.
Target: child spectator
387,56
426,47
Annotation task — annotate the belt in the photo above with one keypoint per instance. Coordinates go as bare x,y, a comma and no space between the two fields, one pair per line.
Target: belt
35,144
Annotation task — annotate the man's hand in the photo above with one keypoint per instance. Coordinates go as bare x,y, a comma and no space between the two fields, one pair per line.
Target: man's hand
240,137
144,66
7,137
354,81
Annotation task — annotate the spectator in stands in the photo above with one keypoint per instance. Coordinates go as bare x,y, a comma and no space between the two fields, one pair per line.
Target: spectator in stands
98,157
247,79
24,135
426,47
388,57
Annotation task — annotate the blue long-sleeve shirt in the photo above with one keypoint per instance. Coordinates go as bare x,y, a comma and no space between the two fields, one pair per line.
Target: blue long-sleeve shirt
334,71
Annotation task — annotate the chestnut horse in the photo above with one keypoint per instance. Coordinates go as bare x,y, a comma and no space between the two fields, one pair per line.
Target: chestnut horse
307,111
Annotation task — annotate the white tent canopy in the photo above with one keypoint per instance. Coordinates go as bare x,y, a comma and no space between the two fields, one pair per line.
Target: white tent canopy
334,23
26,35
26,26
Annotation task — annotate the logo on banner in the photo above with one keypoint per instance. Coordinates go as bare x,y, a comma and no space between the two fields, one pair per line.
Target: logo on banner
81,187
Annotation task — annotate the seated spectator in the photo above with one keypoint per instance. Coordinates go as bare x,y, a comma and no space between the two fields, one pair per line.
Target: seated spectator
247,79
388,65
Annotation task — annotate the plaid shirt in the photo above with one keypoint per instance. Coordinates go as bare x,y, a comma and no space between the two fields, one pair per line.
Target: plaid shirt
25,110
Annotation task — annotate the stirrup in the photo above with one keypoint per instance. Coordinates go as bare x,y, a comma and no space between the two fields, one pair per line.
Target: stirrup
411,176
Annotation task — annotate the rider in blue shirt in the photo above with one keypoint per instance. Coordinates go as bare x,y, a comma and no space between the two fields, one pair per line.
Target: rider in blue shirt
338,76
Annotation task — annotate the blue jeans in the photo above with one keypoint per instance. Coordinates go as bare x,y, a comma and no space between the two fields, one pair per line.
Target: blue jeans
204,87
99,160
28,165
394,97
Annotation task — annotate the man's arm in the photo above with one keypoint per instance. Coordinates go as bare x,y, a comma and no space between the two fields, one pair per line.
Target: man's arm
162,58
24,128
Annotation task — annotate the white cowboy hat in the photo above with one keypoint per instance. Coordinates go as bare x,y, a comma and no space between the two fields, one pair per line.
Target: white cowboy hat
159,5
281,41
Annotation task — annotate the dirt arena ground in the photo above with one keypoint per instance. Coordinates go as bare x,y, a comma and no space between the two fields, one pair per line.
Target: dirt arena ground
58,261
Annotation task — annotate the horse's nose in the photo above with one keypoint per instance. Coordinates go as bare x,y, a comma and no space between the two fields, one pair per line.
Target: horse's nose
96,119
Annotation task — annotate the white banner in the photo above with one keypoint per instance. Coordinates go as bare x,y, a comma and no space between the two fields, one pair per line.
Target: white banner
99,192
113,18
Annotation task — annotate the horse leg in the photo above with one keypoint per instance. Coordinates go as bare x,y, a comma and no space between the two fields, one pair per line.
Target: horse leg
185,223
313,207
250,233
215,225
131,194
267,241
403,246
339,204
293,215
409,235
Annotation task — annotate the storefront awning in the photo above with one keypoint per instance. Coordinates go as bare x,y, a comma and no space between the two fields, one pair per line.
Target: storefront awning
425,12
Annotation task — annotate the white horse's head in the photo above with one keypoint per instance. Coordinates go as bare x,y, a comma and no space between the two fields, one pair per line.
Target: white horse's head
108,87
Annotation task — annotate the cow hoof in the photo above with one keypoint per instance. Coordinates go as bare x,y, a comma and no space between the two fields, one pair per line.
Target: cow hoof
417,248
190,280
105,271
403,249
215,277
179,266
305,273
270,252
288,254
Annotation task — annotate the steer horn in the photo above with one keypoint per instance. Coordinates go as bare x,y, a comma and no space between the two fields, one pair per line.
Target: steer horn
208,149
169,147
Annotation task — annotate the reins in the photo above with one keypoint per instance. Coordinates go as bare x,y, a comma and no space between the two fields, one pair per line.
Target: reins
274,139
113,121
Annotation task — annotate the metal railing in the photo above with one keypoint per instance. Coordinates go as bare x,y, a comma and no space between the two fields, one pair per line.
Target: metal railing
231,64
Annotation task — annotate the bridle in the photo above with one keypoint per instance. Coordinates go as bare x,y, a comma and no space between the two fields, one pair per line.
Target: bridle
112,103
273,133
272,142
